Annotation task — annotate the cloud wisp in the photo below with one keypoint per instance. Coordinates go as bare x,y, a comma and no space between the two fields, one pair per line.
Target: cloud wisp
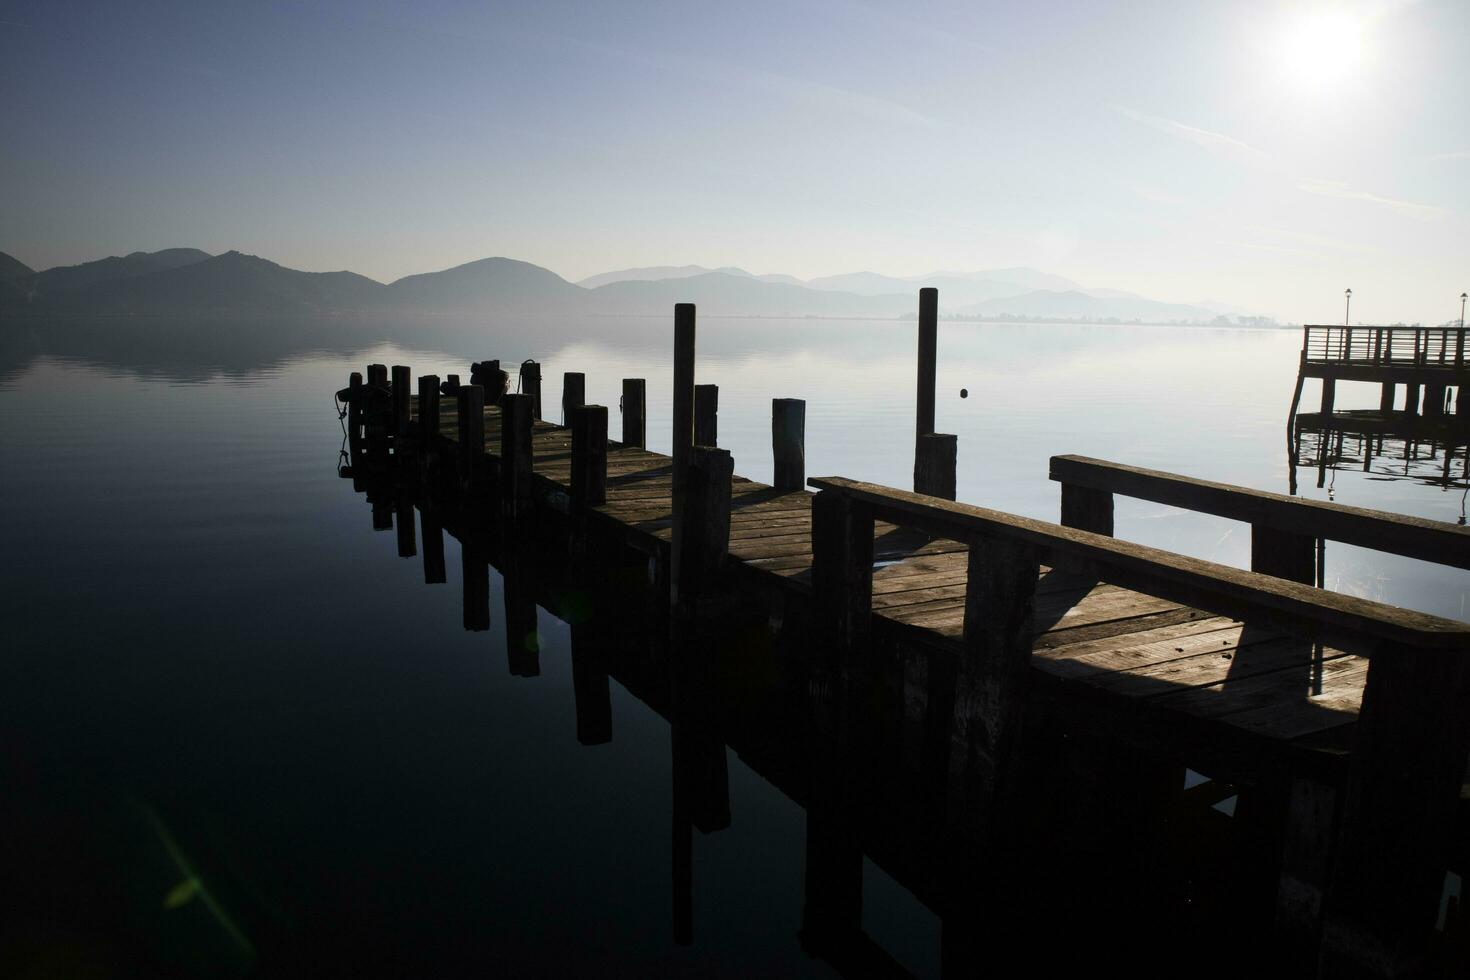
1208,139
1343,191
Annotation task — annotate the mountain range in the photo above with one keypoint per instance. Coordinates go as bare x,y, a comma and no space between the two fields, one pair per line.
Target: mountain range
188,281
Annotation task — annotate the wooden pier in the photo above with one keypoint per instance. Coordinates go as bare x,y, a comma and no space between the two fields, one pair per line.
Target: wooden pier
991,628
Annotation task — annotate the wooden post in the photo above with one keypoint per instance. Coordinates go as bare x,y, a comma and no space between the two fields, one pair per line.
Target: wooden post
433,534
1386,396
936,456
471,405
842,571
428,427
928,358
635,412
1329,393
573,394
1411,397
376,421
994,675
702,525
355,398
451,384
1284,554
515,454
683,399
788,443
1087,509
377,374
1408,761
531,386
589,455
706,415
1434,400
402,390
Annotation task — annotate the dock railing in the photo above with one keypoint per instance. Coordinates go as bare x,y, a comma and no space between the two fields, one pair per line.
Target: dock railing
1397,808
1402,346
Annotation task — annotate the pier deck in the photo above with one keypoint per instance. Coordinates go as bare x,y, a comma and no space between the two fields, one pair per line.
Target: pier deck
1121,642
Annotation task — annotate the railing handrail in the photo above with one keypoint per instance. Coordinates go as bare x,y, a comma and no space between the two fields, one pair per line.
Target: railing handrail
1346,622
1379,530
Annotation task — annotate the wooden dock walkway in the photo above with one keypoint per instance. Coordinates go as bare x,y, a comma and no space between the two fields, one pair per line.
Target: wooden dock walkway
1315,697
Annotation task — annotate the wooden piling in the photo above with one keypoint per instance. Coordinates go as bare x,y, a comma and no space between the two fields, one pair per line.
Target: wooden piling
1386,396
355,398
1284,554
702,525
936,456
402,392
706,415
515,454
928,359
428,423
471,432
573,394
407,547
531,385
788,443
842,572
1412,392
589,455
683,434
635,412
1329,394
1434,400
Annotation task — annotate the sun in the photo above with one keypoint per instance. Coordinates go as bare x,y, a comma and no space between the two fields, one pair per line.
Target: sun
1321,48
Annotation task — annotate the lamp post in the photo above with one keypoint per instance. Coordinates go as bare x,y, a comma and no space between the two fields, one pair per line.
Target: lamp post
1348,307
1462,309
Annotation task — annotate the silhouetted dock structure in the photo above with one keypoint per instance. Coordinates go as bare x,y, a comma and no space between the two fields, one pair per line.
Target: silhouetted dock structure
994,639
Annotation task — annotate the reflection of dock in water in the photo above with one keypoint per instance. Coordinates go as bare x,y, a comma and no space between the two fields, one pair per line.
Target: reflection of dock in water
996,710
1421,427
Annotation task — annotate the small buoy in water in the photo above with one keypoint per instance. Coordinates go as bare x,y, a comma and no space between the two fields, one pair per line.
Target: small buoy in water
964,392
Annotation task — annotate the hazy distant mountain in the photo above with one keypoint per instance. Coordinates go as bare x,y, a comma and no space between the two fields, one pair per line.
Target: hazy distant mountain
1026,279
720,293
64,278
13,268
1074,304
228,283
651,273
496,284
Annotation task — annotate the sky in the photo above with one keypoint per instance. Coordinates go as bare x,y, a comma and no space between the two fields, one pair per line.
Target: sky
1265,154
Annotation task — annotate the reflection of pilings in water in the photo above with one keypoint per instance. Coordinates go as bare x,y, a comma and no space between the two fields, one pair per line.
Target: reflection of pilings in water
522,641
407,548
475,570
433,535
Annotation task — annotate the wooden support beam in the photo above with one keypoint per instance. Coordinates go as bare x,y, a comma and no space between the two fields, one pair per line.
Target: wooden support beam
515,454
573,394
701,538
928,359
1408,762
428,422
1434,400
788,443
706,415
1386,396
1087,509
842,572
635,412
1329,394
402,392
589,455
936,458
1284,554
471,433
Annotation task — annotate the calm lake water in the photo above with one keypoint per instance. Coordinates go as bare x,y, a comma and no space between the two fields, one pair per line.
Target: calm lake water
220,688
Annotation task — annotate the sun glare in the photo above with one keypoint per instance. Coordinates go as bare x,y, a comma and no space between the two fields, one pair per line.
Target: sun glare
1320,49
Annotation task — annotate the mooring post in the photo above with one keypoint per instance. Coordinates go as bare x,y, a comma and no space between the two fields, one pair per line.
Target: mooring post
706,415
376,410
683,399
842,571
994,676
433,534
428,425
1403,787
635,412
936,457
515,454
788,443
471,433
702,525
1087,509
589,455
573,394
402,390
1284,554
451,384
531,385
355,395
928,358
